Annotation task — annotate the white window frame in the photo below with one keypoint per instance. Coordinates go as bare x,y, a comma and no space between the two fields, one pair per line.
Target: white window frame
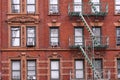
54,36
15,7
16,70
55,70
97,33
96,5
77,6
53,6
15,36
31,70
117,6
78,36
32,5
31,36
79,69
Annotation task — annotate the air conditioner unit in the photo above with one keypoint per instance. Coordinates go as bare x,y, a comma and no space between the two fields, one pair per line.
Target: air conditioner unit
54,44
30,43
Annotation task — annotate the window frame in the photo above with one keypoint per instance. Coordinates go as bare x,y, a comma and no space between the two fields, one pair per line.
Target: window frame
12,4
33,38
58,61
31,5
99,38
97,6
81,42
83,68
54,44
15,70
11,36
32,70
101,67
117,36
80,5
51,11
117,5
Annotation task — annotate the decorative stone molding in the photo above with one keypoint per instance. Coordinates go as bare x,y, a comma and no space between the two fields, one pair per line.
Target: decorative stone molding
54,55
23,19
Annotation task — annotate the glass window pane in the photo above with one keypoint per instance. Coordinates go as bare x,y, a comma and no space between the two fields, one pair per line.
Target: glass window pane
15,42
78,39
95,1
30,32
15,8
30,1
78,8
54,65
79,74
16,65
117,2
16,33
54,32
15,1
79,64
78,32
31,8
77,1
54,40
55,74
53,1
97,31
31,73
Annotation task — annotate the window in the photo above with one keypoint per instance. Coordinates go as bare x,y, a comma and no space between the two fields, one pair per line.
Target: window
53,7
79,69
15,36
31,37
118,67
117,6
118,35
31,70
78,36
98,66
31,6
16,70
15,6
77,5
97,5
97,32
55,71
54,36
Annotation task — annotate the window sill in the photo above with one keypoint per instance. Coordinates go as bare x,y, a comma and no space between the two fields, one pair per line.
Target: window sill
22,13
54,14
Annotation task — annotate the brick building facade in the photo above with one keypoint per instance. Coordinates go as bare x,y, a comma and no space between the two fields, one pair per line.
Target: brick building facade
38,38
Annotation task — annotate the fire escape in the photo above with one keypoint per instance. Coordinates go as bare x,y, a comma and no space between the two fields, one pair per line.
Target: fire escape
89,9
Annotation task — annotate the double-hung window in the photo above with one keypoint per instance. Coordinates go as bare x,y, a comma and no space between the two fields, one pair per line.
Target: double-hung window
77,6
55,70
31,6
78,36
31,70
15,6
118,68
117,6
96,5
97,32
31,36
54,36
15,36
16,70
79,69
98,66
53,7
118,35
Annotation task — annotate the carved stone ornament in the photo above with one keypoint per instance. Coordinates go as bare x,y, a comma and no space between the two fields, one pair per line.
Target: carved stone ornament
23,19
54,55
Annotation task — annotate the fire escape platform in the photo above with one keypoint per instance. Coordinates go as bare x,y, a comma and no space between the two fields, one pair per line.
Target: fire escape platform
86,9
